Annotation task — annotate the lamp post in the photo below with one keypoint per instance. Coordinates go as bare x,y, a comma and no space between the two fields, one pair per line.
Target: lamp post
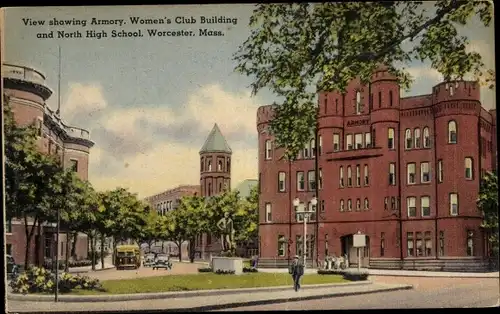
305,214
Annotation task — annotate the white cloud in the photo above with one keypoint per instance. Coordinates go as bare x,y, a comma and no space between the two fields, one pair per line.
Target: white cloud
165,165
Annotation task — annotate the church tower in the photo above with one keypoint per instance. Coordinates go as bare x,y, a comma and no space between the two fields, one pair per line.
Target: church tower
215,164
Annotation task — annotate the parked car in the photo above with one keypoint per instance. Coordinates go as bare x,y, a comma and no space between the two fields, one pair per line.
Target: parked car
149,260
12,267
162,261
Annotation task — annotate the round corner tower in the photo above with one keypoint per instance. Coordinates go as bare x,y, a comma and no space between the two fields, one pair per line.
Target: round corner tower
215,164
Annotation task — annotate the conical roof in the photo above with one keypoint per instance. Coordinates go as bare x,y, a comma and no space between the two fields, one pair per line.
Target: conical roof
215,142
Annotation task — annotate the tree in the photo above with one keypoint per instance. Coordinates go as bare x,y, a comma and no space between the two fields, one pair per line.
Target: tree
296,50
194,216
247,218
152,230
488,204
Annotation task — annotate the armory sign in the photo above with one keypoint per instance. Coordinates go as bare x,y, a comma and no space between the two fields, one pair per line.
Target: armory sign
358,122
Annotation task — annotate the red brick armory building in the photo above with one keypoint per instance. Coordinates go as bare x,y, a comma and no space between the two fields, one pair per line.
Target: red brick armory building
27,92
404,171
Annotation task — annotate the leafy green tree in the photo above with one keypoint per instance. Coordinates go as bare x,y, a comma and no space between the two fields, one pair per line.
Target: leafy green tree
488,204
246,219
296,50
152,230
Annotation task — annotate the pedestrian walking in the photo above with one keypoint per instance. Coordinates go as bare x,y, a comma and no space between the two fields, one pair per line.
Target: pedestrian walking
296,270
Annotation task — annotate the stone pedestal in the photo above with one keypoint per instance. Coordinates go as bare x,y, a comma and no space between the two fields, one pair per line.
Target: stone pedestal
228,263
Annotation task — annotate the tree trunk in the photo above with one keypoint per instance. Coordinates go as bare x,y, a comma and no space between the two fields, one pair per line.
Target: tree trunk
179,247
103,239
66,257
73,247
92,251
191,250
29,236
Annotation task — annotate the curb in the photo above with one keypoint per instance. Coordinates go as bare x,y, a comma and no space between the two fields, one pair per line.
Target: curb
435,276
164,295
73,271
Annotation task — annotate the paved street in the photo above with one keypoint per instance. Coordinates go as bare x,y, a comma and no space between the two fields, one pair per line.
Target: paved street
427,293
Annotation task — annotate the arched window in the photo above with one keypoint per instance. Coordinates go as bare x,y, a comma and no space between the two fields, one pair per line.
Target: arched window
390,98
228,165
342,205
268,149
379,99
469,171
219,165
408,140
209,165
452,132
367,205
202,163
427,138
349,176
416,134
341,177
358,204
358,102
349,205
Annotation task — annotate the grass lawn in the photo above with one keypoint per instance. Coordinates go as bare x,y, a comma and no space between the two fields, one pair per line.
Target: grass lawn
206,281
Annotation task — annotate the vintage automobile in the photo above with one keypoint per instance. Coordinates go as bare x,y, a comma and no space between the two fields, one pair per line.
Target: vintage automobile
12,267
162,261
127,256
149,260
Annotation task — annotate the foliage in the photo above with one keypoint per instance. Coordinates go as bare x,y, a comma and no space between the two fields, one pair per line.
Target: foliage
298,49
224,272
205,270
250,270
488,204
247,218
354,275
330,272
40,280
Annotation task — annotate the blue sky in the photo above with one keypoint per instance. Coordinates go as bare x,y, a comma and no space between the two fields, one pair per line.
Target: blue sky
150,102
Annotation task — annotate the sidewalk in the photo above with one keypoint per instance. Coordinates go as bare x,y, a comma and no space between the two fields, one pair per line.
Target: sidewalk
401,273
202,303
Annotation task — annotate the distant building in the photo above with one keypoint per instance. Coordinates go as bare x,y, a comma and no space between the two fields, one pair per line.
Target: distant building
26,91
403,171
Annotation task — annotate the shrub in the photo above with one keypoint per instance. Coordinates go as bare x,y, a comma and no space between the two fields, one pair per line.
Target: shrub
356,275
330,272
250,270
205,270
224,272
82,263
40,280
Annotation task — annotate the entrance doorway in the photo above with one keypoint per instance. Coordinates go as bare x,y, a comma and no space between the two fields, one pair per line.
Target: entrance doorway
346,244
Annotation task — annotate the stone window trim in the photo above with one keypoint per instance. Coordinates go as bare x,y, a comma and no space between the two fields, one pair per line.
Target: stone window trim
281,181
452,132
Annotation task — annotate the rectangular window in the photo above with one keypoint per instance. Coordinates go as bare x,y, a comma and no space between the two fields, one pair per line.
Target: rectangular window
298,245
428,243
322,206
349,205
305,151
320,145
440,171
393,203
409,244
358,141
392,173
336,142
365,172
300,181
74,165
349,142
320,179
453,204
358,175
8,226
382,244
8,249
349,176
281,245
368,140
425,206
311,179
419,244
425,173
269,212
341,176
390,138
441,243
410,168
470,243
468,169
386,203
269,150
313,148
411,205
281,181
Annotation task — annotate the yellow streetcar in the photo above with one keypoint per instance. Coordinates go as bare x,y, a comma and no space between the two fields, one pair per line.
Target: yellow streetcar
127,256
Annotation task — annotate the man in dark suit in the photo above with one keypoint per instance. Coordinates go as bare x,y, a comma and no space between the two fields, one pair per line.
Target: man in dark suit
296,270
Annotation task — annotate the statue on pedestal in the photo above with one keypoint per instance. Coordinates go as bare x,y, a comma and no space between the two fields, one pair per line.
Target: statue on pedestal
226,227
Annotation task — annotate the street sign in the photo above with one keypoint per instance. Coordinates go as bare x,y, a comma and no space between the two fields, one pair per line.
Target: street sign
359,240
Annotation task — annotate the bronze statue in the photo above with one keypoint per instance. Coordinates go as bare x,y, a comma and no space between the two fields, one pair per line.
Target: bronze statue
226,227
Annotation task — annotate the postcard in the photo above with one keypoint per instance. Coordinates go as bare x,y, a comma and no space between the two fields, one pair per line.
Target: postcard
250,156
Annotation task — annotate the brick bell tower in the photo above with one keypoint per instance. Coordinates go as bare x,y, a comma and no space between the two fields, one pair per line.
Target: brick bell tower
215,164
215,177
